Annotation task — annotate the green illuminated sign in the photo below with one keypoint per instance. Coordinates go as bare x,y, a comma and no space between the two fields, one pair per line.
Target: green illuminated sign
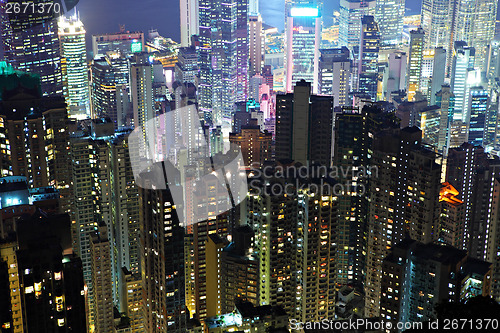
136,47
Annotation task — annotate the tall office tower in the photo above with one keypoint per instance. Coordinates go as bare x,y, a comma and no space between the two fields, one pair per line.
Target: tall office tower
186,68
38,136
45,278
304,125
351,12
162,260
415,62
394,78
189,21
475,24
389,15
354,133
74,66
34,50
438,22
493,60
492,120
295,242
403,199
256,44
438,72
302,45
445,99
463,68
368,57
462,165
125,43
255,145
109,89
429,122
223,57
253,7
100,252
452,217
478,106
142,94
335,74
416,277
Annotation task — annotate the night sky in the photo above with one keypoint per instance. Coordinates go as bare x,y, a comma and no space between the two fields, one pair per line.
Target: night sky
103,16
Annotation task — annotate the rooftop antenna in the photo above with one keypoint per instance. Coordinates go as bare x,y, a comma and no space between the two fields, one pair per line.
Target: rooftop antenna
122,28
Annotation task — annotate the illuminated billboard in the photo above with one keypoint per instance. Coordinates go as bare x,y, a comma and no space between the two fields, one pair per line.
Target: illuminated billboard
304,12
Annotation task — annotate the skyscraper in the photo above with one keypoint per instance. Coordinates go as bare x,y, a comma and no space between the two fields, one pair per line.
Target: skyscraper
437,274
100,252
189,20
463,69
394,78
389,15
109,89
223,57
354,135
74,66
256,45
302,45
403,201
162,261
478,106
475,25
368,57
34,49
304,125
438,21
415,62
335,74
351,12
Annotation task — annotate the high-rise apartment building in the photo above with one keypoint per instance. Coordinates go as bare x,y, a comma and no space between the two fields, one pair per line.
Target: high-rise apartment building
45,281
255,145
452,219
417,276
354,135
404,201
304,125
295,241
335,74
302,45
162,261
189,20
368,58
351,12
389,15
102,283
74,66
415,62
37,134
